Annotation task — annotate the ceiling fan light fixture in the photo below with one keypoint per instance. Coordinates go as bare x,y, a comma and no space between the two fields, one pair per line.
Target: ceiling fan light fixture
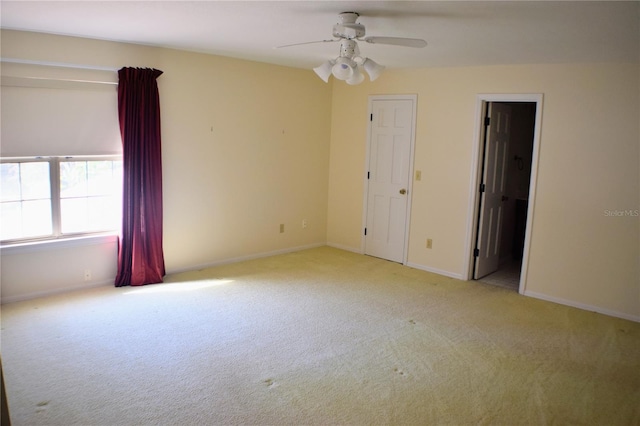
372,68
357,76
343,69
324,70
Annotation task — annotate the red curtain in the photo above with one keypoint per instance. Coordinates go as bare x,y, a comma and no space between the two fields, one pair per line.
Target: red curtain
140,255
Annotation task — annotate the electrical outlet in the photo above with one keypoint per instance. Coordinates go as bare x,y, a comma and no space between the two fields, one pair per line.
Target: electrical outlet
87,274
429,243
304,223
282,228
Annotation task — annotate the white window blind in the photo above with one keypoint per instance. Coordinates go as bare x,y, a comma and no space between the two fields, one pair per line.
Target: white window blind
53,111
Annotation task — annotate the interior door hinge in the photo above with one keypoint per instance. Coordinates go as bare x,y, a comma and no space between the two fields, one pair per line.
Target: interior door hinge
487,121
476,252
370,117
365,231
368,175
482,187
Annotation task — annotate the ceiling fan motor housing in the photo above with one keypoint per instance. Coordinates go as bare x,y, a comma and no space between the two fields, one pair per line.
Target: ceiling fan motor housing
348,31
347,27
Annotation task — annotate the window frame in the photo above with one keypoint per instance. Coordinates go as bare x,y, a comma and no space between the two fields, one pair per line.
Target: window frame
55,198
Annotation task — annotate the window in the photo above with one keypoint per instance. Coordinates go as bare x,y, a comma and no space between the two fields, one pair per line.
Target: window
56,197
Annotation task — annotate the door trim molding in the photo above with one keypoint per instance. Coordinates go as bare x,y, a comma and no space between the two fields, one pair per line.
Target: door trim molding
472,212
372,98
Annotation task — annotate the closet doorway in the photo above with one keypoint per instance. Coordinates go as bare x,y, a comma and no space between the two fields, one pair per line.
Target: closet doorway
507,155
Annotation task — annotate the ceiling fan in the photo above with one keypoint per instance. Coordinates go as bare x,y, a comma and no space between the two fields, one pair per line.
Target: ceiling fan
349,64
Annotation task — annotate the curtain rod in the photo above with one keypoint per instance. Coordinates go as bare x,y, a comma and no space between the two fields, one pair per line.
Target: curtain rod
57,64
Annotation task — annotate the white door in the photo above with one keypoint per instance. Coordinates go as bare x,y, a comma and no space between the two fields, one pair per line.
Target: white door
391,136
492,189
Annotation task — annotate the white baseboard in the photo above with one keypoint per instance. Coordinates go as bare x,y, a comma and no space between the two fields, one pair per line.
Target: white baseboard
582,306
36,294
111,281
346,248
243,258
409,264
435,270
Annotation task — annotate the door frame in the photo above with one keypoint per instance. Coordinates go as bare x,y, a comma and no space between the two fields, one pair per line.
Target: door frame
476,167
414,99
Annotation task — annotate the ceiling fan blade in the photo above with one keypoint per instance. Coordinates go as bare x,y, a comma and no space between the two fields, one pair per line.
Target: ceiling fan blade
397,41
307,42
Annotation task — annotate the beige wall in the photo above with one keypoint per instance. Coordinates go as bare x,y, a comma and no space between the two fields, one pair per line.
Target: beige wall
247,146
245,149
588,164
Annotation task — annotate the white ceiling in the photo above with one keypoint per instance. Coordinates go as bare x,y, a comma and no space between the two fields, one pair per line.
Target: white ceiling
458,32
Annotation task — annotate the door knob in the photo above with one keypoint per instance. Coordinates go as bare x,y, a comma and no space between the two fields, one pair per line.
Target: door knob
403,191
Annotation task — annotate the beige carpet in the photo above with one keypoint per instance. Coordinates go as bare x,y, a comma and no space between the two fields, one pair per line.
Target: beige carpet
321,336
